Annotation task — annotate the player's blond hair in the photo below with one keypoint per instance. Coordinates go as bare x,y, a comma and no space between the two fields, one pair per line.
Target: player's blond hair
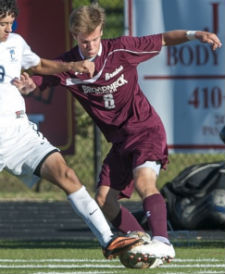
85,19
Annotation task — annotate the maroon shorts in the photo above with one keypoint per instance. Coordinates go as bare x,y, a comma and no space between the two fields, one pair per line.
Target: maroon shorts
117,169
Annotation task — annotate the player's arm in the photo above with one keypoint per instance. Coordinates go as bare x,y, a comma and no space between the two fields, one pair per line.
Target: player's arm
48,67
180,36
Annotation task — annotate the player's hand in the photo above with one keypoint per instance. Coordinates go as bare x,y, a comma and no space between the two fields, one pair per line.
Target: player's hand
210,38
84,66
25,84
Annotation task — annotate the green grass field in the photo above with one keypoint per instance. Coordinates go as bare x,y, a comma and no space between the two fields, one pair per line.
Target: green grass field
86,257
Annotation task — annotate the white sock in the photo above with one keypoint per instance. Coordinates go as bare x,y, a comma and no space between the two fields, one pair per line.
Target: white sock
161,239
86,207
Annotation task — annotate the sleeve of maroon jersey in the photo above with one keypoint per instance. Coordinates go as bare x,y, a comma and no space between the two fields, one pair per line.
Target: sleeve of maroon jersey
139,49
44,81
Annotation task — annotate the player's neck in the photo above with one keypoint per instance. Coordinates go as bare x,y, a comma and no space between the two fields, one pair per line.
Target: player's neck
93,57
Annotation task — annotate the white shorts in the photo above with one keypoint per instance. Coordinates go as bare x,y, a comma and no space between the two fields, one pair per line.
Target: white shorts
156,166
22,148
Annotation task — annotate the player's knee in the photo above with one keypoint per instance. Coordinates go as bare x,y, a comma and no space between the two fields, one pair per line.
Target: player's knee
106,203
103,201
66,178
145,182
69,175
146,190
68,181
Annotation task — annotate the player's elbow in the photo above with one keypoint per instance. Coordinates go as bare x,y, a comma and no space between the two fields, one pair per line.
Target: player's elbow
37,69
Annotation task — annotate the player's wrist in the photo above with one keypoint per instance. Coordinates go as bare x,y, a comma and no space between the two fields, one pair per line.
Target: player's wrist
190,34
68,66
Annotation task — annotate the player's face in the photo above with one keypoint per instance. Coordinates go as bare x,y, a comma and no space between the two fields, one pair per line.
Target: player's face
6,27
89,44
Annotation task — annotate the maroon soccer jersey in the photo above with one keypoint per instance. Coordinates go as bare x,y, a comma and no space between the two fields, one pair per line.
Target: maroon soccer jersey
113,97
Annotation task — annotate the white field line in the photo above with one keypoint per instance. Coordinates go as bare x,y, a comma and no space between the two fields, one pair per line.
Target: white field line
89,272
193,266
198,260
58,260
76,266
98,260
100,272
214,268
196,272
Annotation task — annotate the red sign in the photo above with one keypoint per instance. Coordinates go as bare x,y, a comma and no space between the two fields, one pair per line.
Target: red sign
44,25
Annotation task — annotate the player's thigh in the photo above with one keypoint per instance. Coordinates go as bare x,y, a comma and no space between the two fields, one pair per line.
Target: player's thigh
117,174
145,178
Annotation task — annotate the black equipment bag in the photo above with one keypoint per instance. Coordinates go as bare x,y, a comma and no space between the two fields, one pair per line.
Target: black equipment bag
196,197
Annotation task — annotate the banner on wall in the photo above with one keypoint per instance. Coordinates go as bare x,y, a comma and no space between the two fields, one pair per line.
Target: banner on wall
44,25
184,83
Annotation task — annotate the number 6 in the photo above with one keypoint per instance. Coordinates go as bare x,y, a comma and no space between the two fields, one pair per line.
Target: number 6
109,101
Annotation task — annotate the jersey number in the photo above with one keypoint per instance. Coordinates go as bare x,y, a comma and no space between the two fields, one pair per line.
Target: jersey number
109,101
2,73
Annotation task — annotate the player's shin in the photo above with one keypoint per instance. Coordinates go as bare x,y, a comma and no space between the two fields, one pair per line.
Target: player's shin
126,222
86,207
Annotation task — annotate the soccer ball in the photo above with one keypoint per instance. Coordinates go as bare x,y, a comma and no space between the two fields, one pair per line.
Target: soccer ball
131,261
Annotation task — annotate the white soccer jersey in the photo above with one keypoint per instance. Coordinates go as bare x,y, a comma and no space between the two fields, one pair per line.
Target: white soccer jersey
22,146
15,54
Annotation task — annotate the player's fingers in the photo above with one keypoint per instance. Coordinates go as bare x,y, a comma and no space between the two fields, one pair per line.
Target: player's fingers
15,81
215,44
22,78
89,67
25,76
91,73
210,38
92,70
89,70
214,47
214,41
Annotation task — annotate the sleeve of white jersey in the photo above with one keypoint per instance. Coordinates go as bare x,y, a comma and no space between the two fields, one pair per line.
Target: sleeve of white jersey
29,58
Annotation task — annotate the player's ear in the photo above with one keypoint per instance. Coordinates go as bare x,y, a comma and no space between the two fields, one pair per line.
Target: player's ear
74,36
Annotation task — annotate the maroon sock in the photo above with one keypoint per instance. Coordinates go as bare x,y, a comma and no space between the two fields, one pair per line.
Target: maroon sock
155,208
125,221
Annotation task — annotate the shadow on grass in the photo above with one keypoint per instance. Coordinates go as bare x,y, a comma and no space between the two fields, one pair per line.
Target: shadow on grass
93,244
78,244
199,244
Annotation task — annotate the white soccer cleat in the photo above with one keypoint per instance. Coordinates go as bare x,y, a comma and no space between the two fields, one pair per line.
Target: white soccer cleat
138,260
156,263
154,249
